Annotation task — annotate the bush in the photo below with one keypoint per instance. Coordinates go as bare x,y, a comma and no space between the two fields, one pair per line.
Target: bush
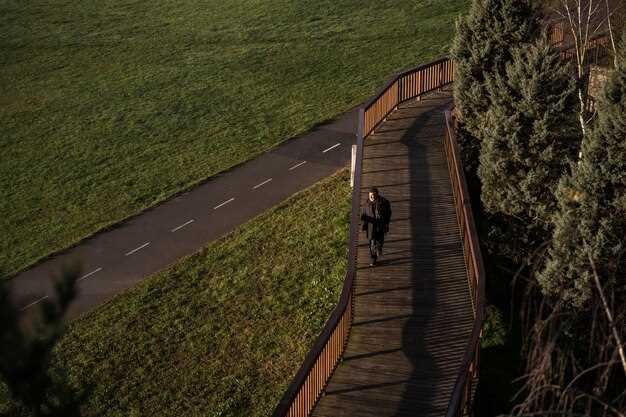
494,330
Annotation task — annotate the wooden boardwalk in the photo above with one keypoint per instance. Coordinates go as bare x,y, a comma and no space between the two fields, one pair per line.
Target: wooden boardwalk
413,313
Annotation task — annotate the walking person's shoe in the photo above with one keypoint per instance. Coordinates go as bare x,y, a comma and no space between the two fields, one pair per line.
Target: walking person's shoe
372,262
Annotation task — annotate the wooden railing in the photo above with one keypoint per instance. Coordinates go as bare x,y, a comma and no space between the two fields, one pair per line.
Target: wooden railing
312,377
590,105
460,402
598,47
556,33
406,85
310,381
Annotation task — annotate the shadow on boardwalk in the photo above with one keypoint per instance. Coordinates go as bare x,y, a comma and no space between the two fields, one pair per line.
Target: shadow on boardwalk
412,313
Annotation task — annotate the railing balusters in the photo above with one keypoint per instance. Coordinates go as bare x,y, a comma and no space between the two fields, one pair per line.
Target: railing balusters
406,86
460,402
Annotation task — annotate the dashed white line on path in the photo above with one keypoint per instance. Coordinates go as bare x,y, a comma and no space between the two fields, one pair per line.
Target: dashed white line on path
136,249
90,274
224,203
331,148
33,303
182,225
261,184
297,165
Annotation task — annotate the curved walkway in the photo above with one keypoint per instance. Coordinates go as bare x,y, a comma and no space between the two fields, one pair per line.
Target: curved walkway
119,258
398,362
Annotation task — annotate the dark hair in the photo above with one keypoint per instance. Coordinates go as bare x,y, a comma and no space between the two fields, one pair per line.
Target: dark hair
374,190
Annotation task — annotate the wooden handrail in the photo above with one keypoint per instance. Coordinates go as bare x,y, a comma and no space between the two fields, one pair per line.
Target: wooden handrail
556,33
597,48
460,401
406,85
319,364
399,74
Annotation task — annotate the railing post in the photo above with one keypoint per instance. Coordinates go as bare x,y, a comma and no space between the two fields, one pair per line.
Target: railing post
439,88
352,166
419,86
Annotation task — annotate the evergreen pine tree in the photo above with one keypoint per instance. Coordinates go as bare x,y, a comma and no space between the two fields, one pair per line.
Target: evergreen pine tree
529,134
481,47
592,205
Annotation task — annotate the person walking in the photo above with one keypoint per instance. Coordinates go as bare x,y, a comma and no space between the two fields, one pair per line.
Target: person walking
376,215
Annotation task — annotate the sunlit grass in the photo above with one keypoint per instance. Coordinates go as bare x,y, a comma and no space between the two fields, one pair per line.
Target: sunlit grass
109,107
222,332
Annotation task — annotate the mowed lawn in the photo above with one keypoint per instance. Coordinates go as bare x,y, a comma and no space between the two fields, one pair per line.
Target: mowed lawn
222,332
109,107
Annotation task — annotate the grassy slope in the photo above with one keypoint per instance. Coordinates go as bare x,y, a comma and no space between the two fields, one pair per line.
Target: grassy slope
222,332
109,107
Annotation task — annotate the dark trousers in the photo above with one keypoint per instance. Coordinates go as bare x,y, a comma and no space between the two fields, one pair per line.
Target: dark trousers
376,245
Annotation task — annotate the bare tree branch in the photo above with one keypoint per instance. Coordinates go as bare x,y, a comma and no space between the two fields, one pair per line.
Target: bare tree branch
607,310
608,19
596,366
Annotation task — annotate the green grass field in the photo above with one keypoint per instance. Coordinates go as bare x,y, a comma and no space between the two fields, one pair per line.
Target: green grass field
110,107
222,332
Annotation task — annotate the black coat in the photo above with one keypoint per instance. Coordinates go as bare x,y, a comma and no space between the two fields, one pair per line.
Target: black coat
373,225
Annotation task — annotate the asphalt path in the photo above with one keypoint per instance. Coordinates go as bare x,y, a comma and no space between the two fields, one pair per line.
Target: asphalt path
120,257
